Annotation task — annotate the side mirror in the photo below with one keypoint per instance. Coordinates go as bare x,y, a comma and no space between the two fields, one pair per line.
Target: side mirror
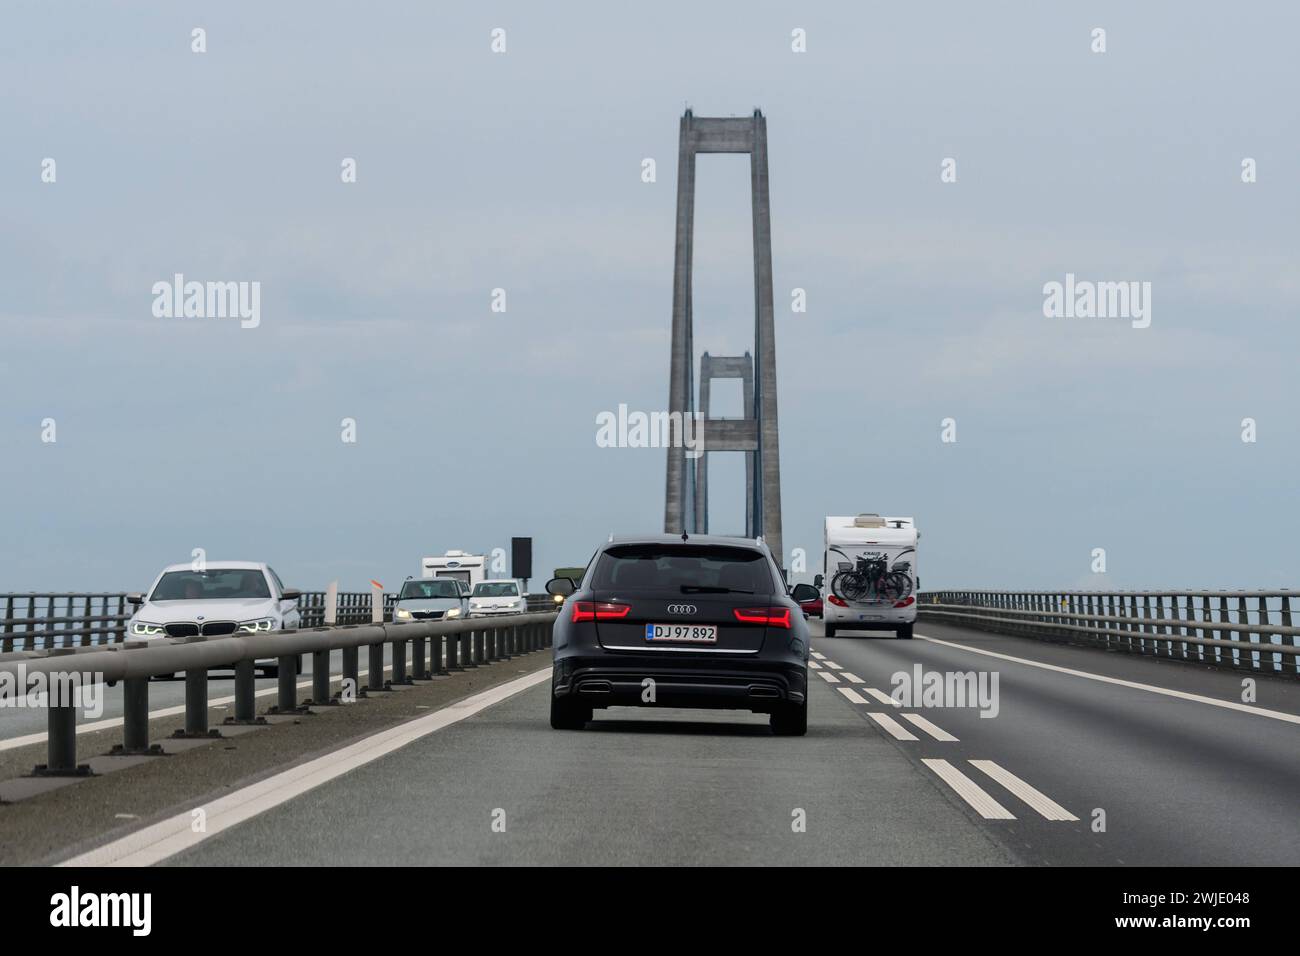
290,594
135,598
818,580
561,586
805,592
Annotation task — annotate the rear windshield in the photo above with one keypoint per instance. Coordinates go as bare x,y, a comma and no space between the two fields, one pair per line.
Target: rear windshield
431,589
678,567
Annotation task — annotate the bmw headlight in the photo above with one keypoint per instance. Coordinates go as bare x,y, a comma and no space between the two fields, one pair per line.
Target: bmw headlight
402,614
258,626
454,612
145,629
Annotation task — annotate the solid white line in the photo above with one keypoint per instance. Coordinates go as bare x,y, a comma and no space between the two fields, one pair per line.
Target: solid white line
882,697
833,666
852,695
828,677
893,727
814,665
851,678
155,843
969,790
1151,688
1035,798
938,733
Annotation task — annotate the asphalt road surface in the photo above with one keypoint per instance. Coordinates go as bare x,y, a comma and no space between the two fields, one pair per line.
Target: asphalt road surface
1091,758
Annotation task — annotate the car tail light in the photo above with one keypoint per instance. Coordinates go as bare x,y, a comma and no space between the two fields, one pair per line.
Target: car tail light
771,616
837,600
906,602
599,611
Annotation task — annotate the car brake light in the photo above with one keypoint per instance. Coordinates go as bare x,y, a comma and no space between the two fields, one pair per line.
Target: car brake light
599,611
837,600
771,616
905,602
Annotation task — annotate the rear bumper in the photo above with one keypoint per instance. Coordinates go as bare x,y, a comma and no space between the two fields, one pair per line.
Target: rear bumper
753,685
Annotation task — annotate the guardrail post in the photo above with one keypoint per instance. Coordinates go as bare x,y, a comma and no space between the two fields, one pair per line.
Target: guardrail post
351,688
418,669
548,635
287,687
399,664
245,695
61,745
491,640
503,643
135,719
478,646
453,653
466,654
196,706
320,680
375,679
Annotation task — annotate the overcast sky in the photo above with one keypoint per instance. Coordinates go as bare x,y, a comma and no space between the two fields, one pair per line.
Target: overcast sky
522,170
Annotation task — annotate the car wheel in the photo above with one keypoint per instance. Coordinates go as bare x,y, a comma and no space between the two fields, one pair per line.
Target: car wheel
790,720
830,630
568,714
904,632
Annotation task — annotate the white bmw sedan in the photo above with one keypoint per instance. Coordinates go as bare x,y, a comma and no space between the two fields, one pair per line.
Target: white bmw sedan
226,597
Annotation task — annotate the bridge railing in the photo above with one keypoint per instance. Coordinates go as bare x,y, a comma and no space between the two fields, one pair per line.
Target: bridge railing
42,621
1245,629
63,672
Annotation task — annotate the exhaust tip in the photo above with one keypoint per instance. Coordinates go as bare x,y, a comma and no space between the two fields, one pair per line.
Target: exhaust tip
595,687
770,692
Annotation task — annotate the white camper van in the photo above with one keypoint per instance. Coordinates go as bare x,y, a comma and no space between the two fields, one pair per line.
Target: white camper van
469,568
870,574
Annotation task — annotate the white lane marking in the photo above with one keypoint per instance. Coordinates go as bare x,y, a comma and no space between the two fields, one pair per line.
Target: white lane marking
969,790
833,666
1181,695
820,657
1035,798
814,665
155,843
938,733
852,695
892,727
882,697
828,677
108,723
851,678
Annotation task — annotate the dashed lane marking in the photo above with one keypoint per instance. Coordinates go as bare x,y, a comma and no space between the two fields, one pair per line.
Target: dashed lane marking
828,677
970,791
852,695
938,733
1035,798
892,727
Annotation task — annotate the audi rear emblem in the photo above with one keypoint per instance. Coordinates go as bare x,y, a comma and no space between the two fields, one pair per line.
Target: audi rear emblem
681,609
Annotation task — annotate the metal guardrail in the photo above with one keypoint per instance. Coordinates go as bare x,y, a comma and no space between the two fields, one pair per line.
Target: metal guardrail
451,646
45,621
1247,629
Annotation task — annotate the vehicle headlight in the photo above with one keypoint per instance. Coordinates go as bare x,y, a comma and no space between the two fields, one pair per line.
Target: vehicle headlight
402,614
145,629
256,627
558,598
454,612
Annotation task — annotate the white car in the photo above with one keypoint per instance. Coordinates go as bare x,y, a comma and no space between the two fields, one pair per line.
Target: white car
496,597
226,597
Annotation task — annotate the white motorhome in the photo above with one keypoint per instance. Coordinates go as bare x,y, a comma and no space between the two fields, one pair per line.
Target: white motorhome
459,565
869,574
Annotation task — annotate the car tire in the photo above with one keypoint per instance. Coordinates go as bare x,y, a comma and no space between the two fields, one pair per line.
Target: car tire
569,714
790,720
904,632
830,630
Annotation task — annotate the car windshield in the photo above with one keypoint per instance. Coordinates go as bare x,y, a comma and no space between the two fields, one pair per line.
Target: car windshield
684,567
214,585
430,589
496,589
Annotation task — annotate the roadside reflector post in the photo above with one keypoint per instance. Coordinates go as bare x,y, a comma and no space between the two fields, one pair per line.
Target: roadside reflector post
375,679
332,604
